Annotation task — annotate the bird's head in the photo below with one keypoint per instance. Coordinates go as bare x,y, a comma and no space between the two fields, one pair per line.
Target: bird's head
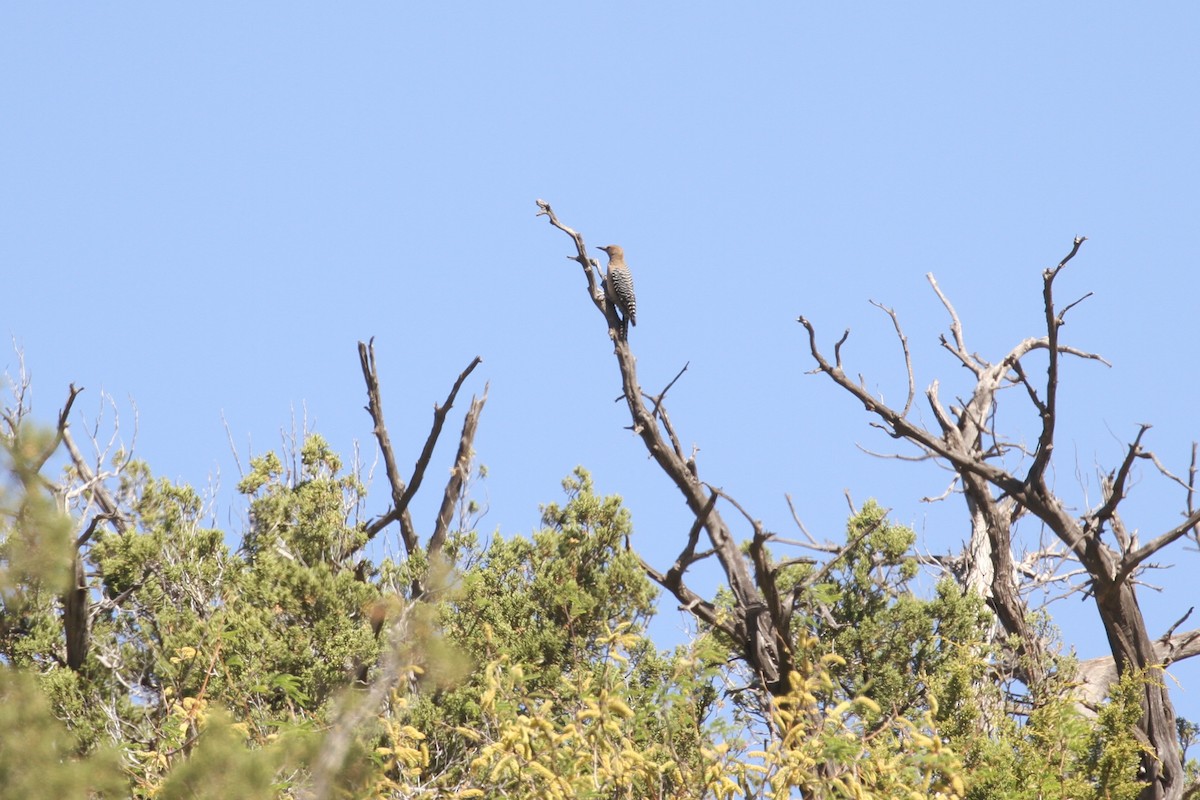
613,250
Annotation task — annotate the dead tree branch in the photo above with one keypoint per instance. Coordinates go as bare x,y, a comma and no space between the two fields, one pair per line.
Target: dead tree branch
758,633
912,383
403,493
76,618
408,533
590,266
458,475
996,497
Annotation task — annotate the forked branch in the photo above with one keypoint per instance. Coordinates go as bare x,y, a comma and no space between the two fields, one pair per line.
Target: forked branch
402,492
757,635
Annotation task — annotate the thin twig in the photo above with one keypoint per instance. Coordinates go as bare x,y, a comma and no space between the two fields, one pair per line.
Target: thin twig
959,349
908,366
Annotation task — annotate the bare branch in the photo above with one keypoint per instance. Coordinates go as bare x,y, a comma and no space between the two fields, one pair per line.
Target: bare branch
1062,314
658,399
95,488
1117,494
756,635
1166,473
408,532
76,619
912,387
959,349
439,419
675,444
1024,381
687,556
590,265
232,447
1079,240
1131,560
1191,483
943,495
59,430
1178,647
935,405
458,475
779,566
1073,351
19,388
693,603
827,567
1098,674
1045,445
402,495
892,456
754,523
963,444
110,603
660,411
93,523
1166,637
837,348
796,517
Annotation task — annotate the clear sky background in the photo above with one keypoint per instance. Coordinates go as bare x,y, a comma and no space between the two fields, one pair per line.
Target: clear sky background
203,208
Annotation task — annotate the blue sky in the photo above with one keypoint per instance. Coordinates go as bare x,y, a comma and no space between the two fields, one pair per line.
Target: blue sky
203,209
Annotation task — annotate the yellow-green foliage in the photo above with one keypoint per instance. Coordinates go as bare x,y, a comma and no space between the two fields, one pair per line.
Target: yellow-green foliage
35,552
1055,751
579,739
583,739
267,670
852,749
1114,751
39,757
221,766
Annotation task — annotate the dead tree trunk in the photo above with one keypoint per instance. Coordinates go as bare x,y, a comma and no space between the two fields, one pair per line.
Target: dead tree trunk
997,497
100,507
758,627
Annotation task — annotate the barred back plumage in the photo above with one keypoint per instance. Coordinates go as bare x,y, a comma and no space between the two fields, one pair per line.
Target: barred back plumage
618,287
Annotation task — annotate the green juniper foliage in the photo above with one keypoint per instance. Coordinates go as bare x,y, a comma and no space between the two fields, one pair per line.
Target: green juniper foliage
295,660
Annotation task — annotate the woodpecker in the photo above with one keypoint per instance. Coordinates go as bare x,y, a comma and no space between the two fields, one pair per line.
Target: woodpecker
618,287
